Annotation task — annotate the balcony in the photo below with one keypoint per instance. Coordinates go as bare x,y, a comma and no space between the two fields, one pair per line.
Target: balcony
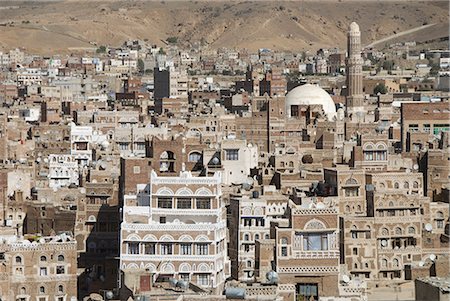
315,254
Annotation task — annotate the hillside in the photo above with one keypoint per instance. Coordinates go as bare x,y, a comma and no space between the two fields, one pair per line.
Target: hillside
61,26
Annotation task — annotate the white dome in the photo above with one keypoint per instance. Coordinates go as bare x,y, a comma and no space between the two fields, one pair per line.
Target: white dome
310,95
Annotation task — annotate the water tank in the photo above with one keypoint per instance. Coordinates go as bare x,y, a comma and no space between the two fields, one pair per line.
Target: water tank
173,282
235,293
272,277
183,284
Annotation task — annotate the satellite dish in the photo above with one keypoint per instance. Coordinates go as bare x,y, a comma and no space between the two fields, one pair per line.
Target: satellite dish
415,166
215,160
320,205
432,257
421,264
109,295
41,240
346,279
429,227
384,242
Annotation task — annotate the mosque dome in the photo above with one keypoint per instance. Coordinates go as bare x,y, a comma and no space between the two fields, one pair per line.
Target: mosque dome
354,27
310,95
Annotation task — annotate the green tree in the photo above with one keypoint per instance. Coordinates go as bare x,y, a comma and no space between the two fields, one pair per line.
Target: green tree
172,40
101,49
140,66
380,88
388,65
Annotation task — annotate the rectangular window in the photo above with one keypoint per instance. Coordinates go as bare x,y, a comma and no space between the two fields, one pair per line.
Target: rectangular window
123,146
203,203
185,249
140,146
351,191
43,271
165,203
166,249
440,224
162,219
136,169
60,269
184,277
184,203
202,249
284,251
133,248
149,248
232,154
315,242
203,279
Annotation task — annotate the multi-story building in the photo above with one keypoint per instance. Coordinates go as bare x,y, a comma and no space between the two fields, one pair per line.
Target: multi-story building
175,227
307,251
63,171
249,221
80,143
41,269
428,117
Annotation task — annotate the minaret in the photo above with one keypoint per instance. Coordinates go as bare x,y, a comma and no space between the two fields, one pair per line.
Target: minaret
355,97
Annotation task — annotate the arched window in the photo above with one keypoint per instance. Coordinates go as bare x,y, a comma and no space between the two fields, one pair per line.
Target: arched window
384,262
266,236
195,157
416,184
411,230
396,185
18,260
23,290
60,289
398,231
284,241
395,262
406,185
246,237
347,208
291,164
384,231
43,258
249,263
42,290
256,236
60,257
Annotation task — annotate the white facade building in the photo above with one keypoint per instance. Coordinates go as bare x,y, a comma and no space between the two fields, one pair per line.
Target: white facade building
63,170
80,143
175,228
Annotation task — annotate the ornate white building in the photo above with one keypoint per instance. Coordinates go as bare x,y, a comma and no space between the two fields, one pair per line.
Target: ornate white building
80,143
63,170
175,228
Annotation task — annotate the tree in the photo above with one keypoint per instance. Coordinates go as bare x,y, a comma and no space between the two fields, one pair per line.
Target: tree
140,66
380,88
388,65
172,40
101,49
